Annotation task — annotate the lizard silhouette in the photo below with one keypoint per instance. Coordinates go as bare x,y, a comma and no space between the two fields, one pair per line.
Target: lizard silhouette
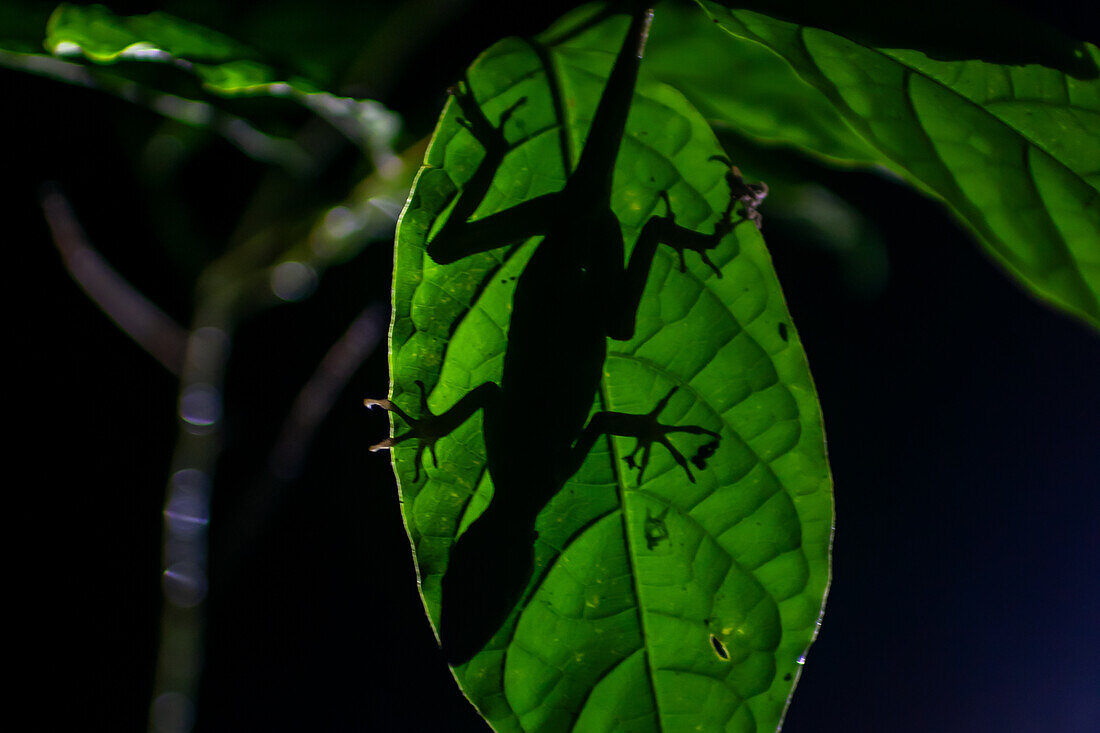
573,294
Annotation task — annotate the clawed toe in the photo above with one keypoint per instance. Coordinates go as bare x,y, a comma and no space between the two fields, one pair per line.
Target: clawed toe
658,432
419,428
384,445
749,195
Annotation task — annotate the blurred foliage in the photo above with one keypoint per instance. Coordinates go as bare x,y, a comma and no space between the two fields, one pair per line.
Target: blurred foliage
1013,150
742,85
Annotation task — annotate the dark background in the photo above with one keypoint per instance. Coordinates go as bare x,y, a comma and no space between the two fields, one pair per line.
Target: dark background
963,421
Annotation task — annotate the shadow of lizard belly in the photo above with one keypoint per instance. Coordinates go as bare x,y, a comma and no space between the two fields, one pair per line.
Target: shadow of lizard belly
552,369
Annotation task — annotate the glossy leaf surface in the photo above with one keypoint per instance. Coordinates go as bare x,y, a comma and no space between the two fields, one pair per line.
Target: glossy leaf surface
1014,150
665,605
740,84
223,66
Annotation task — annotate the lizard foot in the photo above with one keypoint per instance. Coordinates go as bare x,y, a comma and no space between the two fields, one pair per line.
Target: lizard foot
421,428
749,195
474,119
653,431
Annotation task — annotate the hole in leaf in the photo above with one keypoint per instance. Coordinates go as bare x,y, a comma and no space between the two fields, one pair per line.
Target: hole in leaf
719,648
656,531
783,331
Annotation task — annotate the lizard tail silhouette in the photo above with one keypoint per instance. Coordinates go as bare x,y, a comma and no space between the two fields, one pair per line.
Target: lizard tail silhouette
492,559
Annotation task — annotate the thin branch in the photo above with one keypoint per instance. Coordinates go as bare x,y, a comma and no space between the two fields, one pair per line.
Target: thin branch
319,394
150,327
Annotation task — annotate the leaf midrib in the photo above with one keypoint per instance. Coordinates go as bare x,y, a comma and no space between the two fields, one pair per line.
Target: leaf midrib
620,492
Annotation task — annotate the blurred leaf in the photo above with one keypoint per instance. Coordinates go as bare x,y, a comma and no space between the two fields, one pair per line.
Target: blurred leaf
949,30
103,36
656,606
193,112
223,66
742,84
1013,150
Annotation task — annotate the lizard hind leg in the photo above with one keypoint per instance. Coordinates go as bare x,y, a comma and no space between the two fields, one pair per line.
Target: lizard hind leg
646,429
671,217
655,431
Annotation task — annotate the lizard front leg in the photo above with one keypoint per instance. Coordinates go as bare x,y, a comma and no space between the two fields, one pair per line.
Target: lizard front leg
629,285
748,195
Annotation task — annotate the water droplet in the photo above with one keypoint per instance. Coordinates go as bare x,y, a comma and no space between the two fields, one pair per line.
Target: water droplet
201,405
144,51
184,584
187,511
173,712
67,48
191,479
340,222
212,343
388,206
210,337
292,281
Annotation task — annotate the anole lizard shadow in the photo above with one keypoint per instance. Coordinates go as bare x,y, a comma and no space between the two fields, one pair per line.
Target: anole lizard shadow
573,294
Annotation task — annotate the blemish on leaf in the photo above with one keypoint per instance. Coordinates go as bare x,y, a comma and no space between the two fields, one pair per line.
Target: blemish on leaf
787,677
719,648
783,331
656,531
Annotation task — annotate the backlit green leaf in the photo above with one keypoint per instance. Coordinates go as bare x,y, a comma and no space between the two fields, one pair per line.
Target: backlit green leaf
667,605
1014,150
742,84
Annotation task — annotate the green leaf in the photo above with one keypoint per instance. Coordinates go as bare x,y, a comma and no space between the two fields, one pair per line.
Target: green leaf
223,66
742,84
1013,150
661,606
